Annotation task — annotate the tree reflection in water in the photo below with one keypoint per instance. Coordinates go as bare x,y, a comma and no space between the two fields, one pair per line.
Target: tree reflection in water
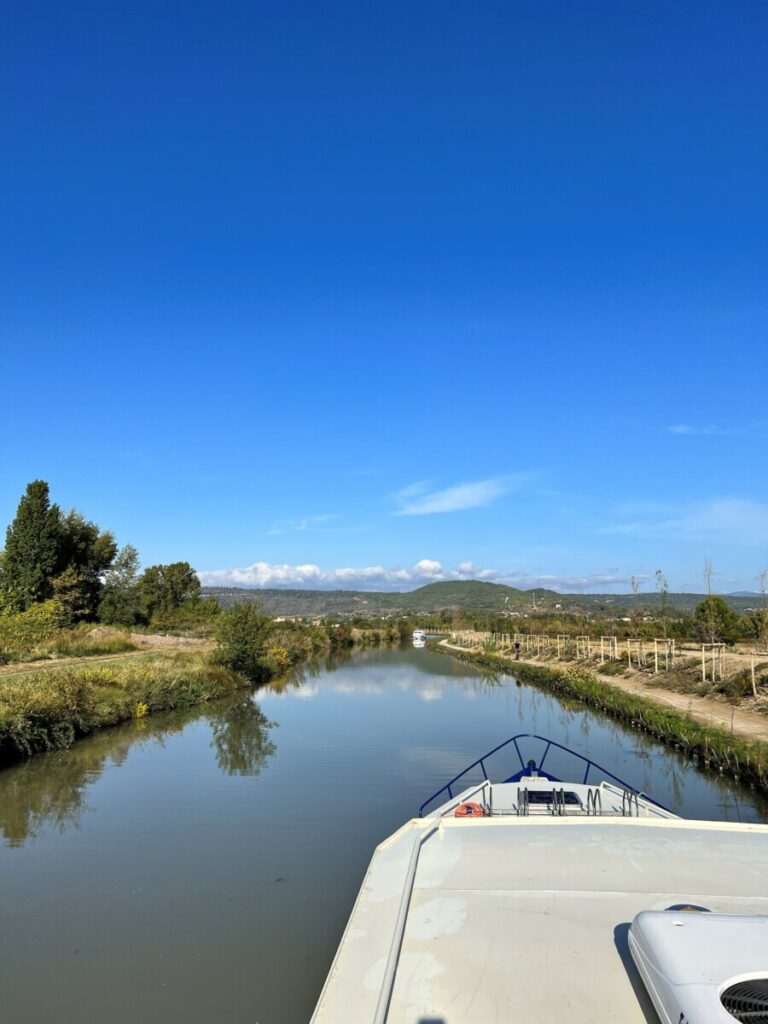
51,789
241,738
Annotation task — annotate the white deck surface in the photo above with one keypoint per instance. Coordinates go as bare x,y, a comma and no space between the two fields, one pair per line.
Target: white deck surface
525,920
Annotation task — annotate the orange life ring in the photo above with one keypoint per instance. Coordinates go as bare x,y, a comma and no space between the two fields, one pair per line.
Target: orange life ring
469,810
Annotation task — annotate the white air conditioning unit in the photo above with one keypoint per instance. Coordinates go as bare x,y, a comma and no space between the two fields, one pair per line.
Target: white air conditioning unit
702,968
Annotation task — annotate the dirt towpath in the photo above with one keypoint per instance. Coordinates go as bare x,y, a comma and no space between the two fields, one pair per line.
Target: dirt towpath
748,724
146,643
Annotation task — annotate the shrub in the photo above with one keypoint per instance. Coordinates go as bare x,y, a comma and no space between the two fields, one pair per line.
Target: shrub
243,633
278,659
24,632
78,644
193,615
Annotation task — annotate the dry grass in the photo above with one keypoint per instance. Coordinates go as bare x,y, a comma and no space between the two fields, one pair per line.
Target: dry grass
51,708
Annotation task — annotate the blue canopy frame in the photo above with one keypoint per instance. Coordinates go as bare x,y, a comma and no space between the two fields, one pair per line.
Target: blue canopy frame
527,769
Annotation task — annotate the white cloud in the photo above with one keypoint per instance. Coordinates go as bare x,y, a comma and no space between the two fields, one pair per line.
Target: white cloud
732,520
265,574
427,570
377,577
418,500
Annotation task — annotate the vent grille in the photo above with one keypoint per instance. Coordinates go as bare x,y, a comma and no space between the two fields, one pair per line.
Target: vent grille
747,1001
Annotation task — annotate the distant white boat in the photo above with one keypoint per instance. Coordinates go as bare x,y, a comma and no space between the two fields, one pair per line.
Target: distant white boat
419,634
537,900
419,642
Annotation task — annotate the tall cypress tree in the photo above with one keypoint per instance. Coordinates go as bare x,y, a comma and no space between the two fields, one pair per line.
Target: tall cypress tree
31,549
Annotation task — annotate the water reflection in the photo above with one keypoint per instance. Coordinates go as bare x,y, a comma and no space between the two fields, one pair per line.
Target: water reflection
240,738
51,789
387,672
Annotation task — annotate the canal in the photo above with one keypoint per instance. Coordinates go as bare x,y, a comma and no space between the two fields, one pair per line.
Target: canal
201,866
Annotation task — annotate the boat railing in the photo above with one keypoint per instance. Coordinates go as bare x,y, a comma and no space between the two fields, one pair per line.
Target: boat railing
390,968
530,768
558,802
594,802
630,805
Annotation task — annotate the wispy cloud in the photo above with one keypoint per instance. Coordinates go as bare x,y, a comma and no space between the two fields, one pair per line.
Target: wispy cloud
313,524
734,520
266,574
704,430
419,499
588,582
308,523
687,428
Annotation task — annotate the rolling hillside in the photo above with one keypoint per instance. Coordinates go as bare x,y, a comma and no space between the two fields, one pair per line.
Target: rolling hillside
475,595
471,594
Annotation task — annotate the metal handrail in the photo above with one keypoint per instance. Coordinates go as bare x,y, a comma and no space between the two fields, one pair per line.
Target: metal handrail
390,970
480,762
558,801
594,802
628,800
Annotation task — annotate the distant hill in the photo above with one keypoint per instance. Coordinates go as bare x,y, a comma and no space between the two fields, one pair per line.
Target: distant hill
683,602
474,595
477,594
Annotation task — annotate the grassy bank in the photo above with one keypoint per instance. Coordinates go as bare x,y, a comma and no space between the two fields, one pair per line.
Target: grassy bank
711,748
46,710
35,636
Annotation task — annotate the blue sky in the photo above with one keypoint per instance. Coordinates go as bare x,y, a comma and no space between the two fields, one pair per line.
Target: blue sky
372,294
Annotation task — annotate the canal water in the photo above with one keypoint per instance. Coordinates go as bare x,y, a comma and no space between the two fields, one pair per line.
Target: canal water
201,866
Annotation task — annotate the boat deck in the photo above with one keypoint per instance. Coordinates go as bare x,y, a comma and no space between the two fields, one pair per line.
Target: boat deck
525,916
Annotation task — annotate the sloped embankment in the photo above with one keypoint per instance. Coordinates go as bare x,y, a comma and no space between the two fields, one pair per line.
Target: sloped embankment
712,748
46,710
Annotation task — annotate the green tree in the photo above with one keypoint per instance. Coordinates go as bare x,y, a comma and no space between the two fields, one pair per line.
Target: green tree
120,600
163,588
243,633
32,545
70,595
756,626
85,553
716,622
